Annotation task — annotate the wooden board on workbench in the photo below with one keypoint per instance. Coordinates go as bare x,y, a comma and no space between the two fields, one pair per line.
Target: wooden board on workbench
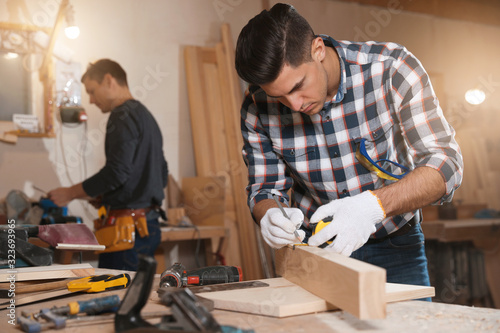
349,284
283,298
46,272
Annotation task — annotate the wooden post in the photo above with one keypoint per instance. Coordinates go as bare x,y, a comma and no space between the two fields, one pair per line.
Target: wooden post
46,73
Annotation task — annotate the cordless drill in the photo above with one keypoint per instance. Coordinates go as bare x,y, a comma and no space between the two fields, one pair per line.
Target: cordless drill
177,276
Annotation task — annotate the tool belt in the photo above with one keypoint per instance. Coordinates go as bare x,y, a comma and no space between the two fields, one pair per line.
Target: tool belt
116,231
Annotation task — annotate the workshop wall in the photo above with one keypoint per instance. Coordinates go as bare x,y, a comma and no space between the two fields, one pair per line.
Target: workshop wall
147,38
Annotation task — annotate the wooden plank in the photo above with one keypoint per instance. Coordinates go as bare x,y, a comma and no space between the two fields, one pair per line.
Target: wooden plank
46,272
174,194
283,298
349,284
24,287
212,87
205,162
395,292
238,171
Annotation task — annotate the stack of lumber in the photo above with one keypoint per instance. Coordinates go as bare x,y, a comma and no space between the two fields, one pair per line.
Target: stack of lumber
46,272
215,99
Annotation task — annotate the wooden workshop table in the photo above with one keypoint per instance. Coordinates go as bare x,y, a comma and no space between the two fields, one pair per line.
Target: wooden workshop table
485,235
408,316
212,236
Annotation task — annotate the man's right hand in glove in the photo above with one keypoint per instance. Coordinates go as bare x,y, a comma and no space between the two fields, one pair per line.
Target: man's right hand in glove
278,231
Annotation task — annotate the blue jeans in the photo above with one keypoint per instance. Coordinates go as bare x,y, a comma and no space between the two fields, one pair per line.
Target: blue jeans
128,259
403,257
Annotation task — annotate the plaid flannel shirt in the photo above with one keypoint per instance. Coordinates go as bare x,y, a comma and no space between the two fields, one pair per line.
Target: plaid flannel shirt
384,96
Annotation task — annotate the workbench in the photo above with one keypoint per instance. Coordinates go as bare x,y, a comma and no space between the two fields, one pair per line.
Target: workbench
483,233
407,316
212,236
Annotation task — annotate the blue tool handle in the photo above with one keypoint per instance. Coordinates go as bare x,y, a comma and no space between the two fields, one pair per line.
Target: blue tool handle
98,305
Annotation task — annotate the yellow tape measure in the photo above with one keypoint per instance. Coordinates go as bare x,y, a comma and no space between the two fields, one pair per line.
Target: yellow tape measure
320,225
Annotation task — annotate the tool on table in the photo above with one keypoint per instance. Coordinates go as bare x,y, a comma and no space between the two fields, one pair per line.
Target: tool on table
177,276
320,225
187,312
56,317
275,197
91,284
59,234
98,283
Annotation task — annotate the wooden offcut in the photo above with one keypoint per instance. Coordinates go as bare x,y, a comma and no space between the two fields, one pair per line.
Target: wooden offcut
349,284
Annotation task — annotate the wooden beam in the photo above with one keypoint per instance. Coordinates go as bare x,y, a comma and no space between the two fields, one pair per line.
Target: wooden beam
349,284
238,172
483,12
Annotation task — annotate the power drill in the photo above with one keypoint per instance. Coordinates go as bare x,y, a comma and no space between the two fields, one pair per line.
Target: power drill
177,276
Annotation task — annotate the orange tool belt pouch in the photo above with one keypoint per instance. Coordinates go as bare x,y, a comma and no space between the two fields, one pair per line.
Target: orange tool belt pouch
117,230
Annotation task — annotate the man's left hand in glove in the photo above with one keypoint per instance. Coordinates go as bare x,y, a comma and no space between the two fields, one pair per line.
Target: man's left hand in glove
354,220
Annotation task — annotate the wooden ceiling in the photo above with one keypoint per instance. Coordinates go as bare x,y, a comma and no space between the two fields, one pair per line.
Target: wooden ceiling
479,11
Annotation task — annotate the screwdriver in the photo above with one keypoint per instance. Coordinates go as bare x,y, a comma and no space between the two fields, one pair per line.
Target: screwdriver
275,197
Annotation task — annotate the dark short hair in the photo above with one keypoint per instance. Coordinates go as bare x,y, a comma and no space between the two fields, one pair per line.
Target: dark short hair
269,41
98,69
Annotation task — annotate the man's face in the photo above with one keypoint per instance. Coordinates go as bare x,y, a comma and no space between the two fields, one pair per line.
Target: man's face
302,88
99,93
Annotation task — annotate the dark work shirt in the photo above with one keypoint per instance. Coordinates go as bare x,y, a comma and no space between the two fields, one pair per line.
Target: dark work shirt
135,173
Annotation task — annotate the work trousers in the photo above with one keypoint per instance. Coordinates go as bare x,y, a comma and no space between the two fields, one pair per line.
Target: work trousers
128,259
402,256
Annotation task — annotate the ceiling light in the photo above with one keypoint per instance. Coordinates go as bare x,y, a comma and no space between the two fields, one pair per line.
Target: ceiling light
475,96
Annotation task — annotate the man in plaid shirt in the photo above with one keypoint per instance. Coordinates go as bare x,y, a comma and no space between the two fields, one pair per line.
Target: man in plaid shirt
334,124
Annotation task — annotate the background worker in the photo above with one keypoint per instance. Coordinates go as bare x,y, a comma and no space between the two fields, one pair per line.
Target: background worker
317,116
135,174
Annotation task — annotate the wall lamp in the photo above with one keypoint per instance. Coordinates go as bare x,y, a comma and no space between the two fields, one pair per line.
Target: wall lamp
475,96
72,31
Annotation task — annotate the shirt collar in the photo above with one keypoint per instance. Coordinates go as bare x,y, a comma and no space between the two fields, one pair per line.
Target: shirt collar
329,41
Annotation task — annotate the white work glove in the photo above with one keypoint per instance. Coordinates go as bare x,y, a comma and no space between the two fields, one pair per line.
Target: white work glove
278,231
354,220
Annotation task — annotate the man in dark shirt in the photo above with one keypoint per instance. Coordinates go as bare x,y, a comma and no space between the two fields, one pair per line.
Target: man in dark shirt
135,173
